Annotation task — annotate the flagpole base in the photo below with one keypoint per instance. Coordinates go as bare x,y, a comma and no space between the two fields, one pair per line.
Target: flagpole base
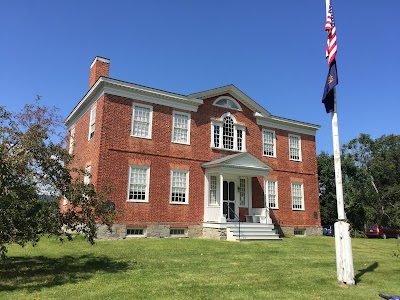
344,255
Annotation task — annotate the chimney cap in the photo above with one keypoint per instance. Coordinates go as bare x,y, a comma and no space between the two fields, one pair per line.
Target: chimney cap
99,58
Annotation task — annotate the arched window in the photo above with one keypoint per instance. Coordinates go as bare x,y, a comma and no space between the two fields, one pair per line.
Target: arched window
227,134
228,102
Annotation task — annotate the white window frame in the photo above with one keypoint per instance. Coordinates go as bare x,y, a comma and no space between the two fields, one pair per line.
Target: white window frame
213,188
92,123
172,187
291,138
236,127
88,173
147,183
295,198
71,141
150,121
264,133
178,115
242,188
275,187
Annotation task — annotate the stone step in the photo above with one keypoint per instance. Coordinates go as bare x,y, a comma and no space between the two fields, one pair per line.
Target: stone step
251,231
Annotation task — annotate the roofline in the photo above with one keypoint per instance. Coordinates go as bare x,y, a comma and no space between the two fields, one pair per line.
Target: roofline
287,124
105,85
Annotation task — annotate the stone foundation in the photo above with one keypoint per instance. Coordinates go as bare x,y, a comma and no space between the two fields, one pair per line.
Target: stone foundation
193,231
308,231
118,231
214,233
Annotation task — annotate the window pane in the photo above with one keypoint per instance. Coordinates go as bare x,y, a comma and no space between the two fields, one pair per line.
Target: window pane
239,140
213,189
181,128
268,137
138,184
228,133
297,196
141,121
294,147
216,136
242,193
272,199
179,187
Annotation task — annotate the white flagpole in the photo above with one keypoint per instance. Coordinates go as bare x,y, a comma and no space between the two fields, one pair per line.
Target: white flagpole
344,255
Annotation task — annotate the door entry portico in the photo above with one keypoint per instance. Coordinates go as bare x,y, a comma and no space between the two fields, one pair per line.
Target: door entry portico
228,186
229,200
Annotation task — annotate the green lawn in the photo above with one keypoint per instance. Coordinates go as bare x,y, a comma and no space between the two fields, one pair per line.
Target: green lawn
294,268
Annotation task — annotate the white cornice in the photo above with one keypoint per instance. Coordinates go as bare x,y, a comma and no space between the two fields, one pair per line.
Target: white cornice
287,124
135,92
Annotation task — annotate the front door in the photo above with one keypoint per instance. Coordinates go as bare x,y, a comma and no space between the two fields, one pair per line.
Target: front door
229,200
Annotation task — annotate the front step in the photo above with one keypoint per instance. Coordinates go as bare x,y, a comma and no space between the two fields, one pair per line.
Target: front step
251,231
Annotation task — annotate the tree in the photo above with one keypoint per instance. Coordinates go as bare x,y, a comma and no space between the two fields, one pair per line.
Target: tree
327,189
378,163
35,174
371,182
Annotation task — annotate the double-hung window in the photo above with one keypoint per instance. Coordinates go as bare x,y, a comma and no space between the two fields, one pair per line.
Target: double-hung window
297,196
272,194
227,134
181,128
71,141
142,116
242,192
179,187
138,184
213,190
294,147
269,143
92,122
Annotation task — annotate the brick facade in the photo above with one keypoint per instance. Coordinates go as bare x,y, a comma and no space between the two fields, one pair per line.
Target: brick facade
112,149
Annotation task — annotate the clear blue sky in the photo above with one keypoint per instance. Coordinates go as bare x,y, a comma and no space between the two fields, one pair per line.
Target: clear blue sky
271,50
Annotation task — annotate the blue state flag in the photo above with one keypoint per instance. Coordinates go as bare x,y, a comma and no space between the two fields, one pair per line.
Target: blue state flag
329,92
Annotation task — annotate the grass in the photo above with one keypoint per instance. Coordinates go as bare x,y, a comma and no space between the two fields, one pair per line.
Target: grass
295,268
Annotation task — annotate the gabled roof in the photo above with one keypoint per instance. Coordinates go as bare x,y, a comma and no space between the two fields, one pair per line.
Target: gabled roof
241,163
236,93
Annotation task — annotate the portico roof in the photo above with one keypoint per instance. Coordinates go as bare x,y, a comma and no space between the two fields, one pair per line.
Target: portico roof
244,164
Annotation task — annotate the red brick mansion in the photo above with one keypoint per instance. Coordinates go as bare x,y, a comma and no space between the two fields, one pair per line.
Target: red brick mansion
198,165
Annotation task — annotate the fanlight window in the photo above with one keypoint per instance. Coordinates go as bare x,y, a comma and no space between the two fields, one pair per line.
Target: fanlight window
227,102
227,134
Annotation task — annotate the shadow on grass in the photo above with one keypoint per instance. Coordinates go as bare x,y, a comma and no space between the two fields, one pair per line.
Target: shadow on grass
35,273
371,268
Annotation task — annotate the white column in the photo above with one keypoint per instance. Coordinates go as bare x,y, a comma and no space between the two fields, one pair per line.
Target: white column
222,219
269,220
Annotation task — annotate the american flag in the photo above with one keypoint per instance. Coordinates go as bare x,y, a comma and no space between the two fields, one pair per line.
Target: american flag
331,47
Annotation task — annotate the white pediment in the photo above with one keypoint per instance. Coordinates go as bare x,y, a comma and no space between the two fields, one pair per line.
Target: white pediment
241,163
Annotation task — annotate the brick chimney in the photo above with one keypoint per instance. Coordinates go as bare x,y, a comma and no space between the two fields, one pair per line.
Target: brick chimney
99,67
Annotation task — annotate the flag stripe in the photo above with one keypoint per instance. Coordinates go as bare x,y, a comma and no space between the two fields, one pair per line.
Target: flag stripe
331,47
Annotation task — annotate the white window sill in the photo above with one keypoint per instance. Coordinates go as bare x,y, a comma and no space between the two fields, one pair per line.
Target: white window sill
179,143
141,137
137,201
